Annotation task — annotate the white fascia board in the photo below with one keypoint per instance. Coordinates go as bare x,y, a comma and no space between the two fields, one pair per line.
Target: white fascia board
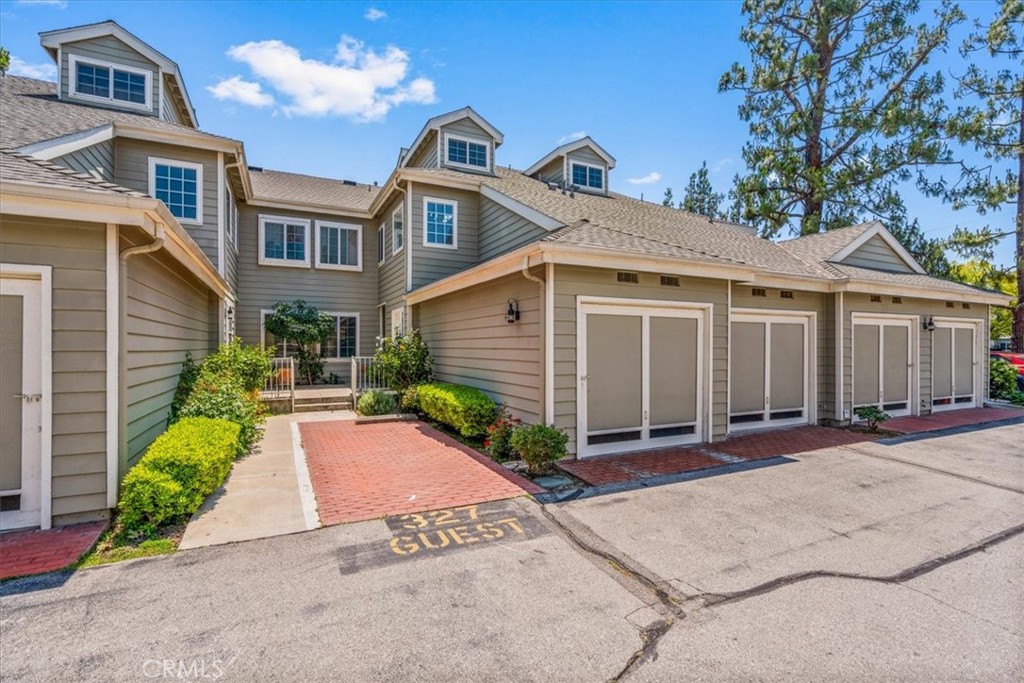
570,147
189,139
66,144
451,117
528,212
934,294
618,260
354,214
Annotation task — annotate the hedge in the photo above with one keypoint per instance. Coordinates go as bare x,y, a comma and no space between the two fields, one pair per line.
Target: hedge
464,408
222,396
180,469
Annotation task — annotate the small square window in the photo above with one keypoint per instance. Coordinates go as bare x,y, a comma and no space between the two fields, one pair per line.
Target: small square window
440,220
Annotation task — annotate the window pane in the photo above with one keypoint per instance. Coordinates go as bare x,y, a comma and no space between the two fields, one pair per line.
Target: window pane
129,87
273,240
398,221
440,223
457,152
478,155
350,248
329,346
93,80
595,178
328,245
178,188
380,244
579,175
347,337
296,243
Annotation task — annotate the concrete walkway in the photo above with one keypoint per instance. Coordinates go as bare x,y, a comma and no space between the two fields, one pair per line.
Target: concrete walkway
267,493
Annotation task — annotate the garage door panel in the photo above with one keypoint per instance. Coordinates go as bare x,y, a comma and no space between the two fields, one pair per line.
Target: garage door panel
895,383
614,372
673,365
865,364
963,361
942,364
748,365
787,366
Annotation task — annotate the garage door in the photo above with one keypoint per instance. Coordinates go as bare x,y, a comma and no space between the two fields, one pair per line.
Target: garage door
768,371
640,383
883,359
954,366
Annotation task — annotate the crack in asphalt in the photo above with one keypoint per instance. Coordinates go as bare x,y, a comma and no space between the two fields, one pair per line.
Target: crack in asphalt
936,470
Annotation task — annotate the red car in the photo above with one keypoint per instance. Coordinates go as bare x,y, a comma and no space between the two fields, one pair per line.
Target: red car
1017,359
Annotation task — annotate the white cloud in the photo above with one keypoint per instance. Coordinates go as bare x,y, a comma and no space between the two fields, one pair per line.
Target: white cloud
46,71
572,137
53,3
245,92
648,179
359,83
722,164
374,14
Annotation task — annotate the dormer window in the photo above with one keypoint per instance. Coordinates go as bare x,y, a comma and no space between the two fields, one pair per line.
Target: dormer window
587,176
96,80
467,153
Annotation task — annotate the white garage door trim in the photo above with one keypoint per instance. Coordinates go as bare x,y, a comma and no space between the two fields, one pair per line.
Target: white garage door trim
912,322
645,308
979,366
809,321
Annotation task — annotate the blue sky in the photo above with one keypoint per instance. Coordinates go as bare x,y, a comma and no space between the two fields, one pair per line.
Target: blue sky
641,78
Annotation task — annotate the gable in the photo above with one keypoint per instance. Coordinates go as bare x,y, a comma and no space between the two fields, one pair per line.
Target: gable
876,253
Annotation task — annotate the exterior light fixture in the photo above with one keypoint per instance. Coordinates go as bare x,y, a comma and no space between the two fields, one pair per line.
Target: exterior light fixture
512,314
928,324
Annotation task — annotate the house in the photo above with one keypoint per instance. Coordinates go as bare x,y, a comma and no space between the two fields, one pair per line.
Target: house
130,237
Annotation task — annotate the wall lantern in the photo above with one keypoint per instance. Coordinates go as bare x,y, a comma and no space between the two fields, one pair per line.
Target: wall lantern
512,314
928,324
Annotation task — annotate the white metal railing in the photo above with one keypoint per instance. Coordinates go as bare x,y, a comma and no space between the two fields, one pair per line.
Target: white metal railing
365,376
281,384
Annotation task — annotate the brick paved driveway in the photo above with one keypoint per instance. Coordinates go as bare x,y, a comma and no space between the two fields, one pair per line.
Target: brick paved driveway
367,471
23,553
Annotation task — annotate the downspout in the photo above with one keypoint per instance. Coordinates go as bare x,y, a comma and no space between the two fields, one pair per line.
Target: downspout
545,409
122,347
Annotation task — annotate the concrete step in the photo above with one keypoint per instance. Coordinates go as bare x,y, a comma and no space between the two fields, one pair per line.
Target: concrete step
314,407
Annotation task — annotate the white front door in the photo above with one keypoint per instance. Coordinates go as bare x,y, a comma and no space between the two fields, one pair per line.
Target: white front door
955,382
641,379
21,381
883,361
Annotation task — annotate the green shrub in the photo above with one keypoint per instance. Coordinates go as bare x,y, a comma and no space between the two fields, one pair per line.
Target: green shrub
873,415
499,434
1002,379
403,361
539,445
376,402
305,326
464,408
180,469
186,382
224,397
250,364
411,400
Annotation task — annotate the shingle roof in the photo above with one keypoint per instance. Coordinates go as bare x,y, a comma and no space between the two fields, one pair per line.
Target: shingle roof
32,113
822,246
305,189
843,270
26,170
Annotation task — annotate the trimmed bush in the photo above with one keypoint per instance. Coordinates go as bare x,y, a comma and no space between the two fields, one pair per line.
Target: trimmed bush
1002,379
411,400
539,445
180,469
224,397
499,435
376,402
466,409
403,361
250,364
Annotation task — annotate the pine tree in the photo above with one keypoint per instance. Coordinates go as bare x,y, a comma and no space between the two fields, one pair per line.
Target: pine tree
700,197
667,201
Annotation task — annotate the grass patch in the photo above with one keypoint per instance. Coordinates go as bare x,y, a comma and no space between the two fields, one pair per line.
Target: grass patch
115,546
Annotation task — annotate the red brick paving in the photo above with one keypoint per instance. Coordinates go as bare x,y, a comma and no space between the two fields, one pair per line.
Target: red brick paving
368,471
773,443
23,553
913,424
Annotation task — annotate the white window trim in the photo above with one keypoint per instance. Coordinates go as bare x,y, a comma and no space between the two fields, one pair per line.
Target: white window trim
344,315
405,231
382,243
475,141
73,61
455,223
198,168
604,176
286,263
358,267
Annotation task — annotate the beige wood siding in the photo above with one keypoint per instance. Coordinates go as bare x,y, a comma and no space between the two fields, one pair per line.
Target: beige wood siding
131,169
875,253
394,268
426,155
77,254
111,50
502,230
260,287
96,160
167,312
919,309
587,156
571,282
430,264
473,344
230,248
553,171
467,128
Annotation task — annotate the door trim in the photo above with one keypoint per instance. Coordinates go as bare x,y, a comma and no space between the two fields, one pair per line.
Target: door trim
44,274
703,313
979,366
914,353
810,320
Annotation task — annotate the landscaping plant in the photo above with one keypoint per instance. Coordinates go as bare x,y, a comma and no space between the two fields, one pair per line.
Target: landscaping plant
377,402
186,383
403,362
411,400
873,415
306,327
223,396
466,409
251,365
539,446
1002,379
499,434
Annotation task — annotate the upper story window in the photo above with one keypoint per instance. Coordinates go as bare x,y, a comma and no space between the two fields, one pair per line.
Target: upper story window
588,176
398,230
284,241
98,80
465,152
179,185
338,246
441,223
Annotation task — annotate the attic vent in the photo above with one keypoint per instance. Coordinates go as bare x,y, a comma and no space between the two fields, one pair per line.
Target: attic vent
876,299
758,291
786,294
950,304
349,182
257,169
669,281
965,305
897,299
632,278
